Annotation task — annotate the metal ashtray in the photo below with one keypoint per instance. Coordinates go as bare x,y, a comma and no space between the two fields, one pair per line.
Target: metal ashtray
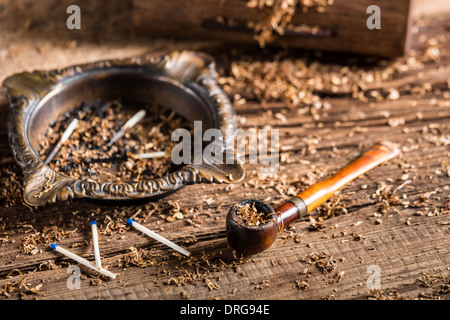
181,81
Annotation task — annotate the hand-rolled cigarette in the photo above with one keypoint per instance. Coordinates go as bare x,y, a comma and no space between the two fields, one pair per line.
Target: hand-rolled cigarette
157,237
81,260
65,136
129,124
98,260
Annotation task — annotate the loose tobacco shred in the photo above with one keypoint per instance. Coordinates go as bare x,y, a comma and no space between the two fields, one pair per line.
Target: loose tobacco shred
86,154
250,215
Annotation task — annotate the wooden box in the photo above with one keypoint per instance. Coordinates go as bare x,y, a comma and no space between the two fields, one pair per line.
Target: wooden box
342,26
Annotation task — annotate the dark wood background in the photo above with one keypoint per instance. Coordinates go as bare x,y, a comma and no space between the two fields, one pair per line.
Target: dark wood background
342,19
411,246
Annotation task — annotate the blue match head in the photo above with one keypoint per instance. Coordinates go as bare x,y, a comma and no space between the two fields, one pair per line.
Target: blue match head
93,222
130,221
53,246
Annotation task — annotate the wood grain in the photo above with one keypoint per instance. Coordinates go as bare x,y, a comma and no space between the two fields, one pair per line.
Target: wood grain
410,245
347,19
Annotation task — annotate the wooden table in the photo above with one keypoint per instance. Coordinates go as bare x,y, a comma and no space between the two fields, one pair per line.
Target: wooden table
408,243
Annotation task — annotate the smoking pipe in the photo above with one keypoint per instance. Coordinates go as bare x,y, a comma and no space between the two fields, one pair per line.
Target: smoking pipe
253,239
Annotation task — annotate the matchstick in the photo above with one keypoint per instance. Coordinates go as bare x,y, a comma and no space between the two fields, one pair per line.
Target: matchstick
98,260
157,237
81,260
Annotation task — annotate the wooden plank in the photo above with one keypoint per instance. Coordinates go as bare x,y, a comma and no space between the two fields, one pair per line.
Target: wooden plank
346,19
403,252
410,245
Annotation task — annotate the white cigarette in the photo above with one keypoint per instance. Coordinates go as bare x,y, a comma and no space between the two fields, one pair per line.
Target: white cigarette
129,124
81,260
65,136
98,260
149,155
157,237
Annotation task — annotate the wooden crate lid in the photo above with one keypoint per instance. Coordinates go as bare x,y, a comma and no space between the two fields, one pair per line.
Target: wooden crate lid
343,24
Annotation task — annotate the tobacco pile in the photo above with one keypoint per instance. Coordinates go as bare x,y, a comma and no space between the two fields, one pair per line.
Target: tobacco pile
298,82
280,16
250,215
306,81
86,155
12,193
32,242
